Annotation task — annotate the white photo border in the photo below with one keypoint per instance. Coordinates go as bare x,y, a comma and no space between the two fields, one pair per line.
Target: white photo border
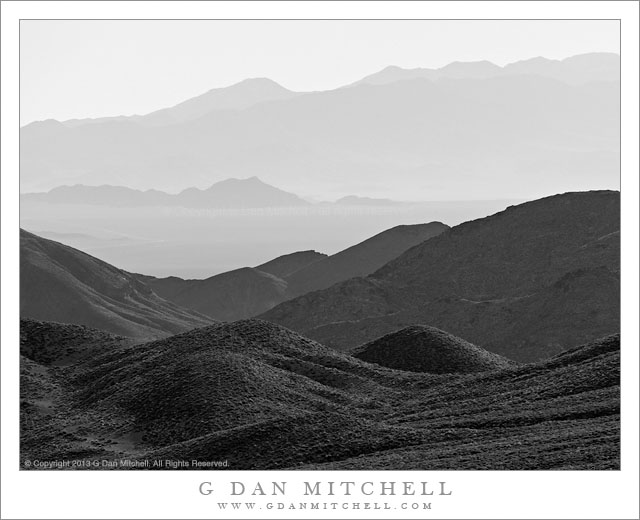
476,494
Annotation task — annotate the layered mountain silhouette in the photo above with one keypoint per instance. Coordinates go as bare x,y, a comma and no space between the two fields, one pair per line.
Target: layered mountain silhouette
239,96
230,193
247,292
59,283
576,70
259,396
525,283
525,131
427,349
361,259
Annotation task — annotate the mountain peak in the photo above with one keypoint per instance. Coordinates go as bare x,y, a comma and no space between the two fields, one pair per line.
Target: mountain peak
391,68
230,193
250,192
235,181
258,82
470,69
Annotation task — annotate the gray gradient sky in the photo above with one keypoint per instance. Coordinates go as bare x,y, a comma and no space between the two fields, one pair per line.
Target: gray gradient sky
74,69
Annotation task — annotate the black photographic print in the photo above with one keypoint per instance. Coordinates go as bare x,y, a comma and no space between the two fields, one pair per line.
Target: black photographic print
319,259
251,247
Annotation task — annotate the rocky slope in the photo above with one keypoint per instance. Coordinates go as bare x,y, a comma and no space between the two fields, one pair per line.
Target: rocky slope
59,283
523,283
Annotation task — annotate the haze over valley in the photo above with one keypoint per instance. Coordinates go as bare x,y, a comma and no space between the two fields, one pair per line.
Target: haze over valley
233,224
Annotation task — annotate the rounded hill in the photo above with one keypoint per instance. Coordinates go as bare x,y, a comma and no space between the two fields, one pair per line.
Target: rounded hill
63,343
224,376
428,349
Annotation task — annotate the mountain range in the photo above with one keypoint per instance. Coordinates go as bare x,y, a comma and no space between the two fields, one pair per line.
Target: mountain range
230,193
236,97
575,70
525,283
258,396
551,127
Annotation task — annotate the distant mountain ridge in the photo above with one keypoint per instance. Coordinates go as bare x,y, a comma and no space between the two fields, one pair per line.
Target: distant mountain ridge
230,193
575,70
582,68
438,136
250,192
235,97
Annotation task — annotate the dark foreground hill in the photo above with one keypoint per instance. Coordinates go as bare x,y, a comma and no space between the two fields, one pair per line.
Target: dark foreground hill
525,283
64,344
562,413
59,283
253,395
427,349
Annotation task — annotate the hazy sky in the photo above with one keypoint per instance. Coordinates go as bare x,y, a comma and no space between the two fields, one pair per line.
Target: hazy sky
74,69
